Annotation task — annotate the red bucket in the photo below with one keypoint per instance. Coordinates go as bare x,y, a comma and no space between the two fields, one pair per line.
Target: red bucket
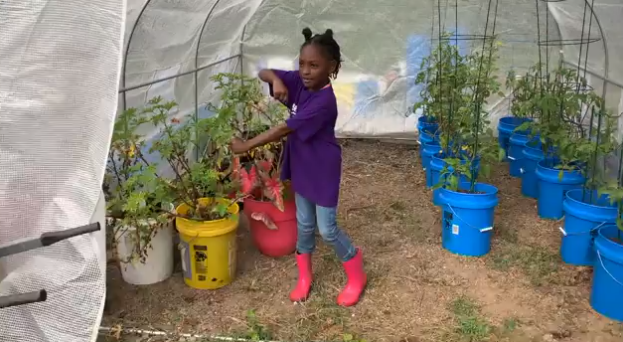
273,242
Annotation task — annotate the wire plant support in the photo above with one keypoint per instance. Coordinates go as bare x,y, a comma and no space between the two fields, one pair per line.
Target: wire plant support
46,239
462,87
595,124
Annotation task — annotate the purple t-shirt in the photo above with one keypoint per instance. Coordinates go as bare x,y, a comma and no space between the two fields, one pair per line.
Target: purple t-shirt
312,157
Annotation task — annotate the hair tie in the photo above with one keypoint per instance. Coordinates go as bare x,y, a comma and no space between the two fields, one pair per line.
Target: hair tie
307,33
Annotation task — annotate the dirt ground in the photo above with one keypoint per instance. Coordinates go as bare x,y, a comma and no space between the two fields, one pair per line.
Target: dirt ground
417,291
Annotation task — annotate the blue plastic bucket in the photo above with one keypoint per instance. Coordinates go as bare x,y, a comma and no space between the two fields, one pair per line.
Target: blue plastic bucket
553,189
517,142
607,286
433,172
506,127
426,137
585,212
467,219
428,151
529,182
427,123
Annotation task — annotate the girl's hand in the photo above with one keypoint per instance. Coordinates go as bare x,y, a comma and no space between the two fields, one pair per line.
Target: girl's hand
280,92
239,146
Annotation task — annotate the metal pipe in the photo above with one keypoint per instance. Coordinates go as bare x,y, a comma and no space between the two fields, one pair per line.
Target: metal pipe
593,73
179,75
108,330
127,49
205,24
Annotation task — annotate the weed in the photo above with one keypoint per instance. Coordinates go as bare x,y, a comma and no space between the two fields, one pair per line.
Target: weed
351,338
470,325
257,331
509,325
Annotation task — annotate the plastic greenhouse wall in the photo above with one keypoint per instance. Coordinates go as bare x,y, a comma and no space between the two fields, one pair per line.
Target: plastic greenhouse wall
383,43
60,73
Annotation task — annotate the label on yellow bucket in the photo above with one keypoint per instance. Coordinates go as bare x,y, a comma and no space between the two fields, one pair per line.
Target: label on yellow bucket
201,261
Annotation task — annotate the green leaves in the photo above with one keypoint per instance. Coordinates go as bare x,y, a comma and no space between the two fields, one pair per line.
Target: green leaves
457,89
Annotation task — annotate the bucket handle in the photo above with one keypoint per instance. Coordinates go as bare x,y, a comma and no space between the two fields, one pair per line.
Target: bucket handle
564,232
605,269
482,230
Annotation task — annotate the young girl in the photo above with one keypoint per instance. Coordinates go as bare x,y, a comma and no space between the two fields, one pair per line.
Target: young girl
312,159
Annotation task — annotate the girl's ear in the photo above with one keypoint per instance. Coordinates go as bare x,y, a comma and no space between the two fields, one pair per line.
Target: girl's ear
332,67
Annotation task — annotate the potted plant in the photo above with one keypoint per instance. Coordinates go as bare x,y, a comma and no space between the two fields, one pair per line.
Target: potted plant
588,208
445,76
607,281
523,91
564,137
467,205
137,206
195,151
267,201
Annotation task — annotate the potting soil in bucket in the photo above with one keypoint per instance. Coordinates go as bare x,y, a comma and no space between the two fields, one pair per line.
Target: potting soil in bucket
208,249
607,288
467,219
585,212
553,188
517,142
506,127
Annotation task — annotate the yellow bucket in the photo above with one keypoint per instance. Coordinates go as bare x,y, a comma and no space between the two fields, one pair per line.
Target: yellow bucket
208,248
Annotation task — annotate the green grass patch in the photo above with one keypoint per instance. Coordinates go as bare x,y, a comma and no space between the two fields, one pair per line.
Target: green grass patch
538,263
470,326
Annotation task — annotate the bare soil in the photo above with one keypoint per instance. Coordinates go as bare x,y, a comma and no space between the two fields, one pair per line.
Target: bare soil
417,291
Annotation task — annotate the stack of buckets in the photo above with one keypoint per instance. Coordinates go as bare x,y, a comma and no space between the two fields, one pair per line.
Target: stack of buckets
428,132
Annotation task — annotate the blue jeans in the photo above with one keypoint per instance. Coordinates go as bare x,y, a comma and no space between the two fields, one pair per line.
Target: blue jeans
308,215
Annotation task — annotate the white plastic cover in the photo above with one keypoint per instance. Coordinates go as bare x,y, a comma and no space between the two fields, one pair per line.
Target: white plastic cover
59,70
383,43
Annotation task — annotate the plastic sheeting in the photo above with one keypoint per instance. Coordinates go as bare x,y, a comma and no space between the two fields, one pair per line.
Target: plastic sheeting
59,71
383,43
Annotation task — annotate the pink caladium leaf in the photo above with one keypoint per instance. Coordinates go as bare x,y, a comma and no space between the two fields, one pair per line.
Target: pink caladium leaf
264,218
248,179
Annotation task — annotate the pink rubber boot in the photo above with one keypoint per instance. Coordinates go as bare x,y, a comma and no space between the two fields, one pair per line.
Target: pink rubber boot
356,283
303,285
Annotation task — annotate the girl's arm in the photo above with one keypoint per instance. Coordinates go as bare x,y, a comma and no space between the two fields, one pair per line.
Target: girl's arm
278,88
273,134
268,76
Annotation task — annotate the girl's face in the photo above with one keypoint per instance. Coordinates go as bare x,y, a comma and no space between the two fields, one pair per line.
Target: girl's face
315,67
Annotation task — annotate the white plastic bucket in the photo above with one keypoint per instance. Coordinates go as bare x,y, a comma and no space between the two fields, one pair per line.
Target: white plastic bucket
158,265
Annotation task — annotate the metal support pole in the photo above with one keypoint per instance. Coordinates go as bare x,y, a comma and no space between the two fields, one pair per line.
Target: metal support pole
138,86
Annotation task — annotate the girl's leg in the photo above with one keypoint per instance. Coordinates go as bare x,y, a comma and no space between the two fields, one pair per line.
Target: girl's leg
305,246
349,255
